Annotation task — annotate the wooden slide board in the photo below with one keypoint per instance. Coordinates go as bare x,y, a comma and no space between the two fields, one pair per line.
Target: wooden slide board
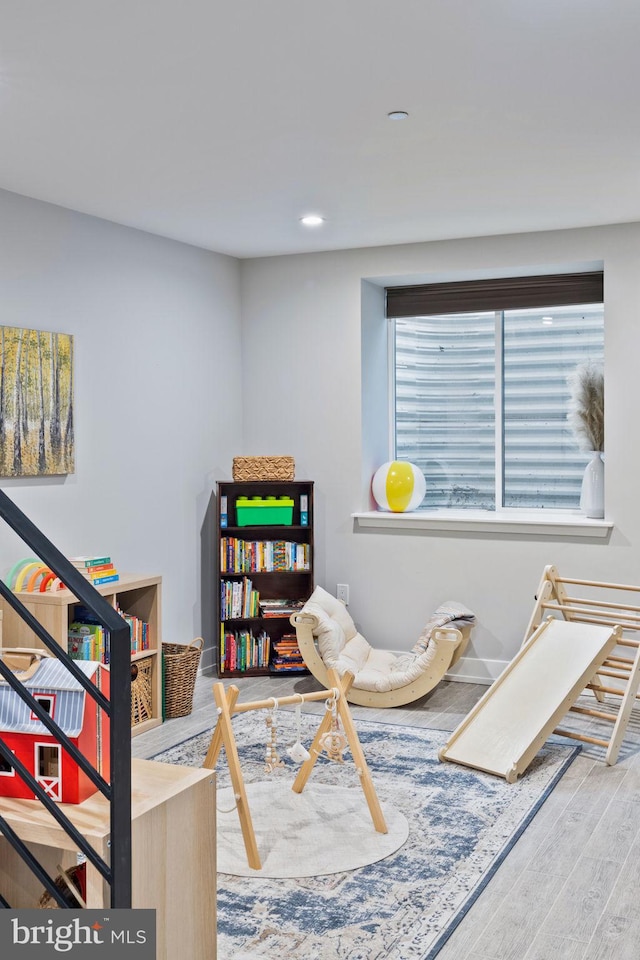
509,724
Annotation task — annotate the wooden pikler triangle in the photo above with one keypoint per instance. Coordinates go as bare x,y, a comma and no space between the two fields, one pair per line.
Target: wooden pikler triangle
605,604
223,736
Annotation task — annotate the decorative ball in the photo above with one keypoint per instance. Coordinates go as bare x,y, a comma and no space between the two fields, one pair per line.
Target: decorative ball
398,486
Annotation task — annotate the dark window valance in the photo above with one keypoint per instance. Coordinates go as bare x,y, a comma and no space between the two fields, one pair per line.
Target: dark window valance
504,293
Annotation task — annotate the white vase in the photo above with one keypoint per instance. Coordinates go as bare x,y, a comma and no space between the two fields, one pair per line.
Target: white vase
592,494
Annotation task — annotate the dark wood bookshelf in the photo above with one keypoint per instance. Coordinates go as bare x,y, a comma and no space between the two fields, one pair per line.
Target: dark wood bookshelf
294,585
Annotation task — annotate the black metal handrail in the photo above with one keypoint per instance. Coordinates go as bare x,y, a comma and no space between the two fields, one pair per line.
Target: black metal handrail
118,708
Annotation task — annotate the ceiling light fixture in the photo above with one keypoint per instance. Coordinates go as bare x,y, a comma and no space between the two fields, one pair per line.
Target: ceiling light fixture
548,321
312,220
398,115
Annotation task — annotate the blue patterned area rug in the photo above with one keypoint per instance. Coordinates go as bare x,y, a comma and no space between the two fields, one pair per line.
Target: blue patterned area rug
462,825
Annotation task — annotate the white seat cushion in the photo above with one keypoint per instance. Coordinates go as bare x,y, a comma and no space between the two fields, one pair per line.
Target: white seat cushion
343,648
339,643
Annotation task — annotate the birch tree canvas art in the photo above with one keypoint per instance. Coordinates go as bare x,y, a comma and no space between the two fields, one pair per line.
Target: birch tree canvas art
36,403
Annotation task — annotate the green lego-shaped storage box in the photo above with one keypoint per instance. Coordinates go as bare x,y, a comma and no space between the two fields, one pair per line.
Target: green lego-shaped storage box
264,511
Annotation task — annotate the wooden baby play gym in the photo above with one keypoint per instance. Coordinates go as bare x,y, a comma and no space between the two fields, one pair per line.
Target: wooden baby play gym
329,738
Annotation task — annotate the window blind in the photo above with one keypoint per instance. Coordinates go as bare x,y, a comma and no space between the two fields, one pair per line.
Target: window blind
502,293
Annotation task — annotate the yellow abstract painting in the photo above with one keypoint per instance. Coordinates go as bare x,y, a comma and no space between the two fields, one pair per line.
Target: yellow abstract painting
36,403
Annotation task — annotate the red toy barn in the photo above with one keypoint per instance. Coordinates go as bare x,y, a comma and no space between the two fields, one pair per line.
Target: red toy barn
75,712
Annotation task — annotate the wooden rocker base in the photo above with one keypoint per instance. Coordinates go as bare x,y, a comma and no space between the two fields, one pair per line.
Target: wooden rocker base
223,736
452,643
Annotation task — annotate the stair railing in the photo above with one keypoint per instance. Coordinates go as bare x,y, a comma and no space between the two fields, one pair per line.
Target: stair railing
116,873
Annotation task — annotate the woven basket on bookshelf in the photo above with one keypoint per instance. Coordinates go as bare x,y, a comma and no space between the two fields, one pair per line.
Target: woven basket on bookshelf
181,662
141,690
263,468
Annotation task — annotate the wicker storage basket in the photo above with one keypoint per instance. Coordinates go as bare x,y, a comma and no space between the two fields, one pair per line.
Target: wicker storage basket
72,885
263,468
181,662
141,690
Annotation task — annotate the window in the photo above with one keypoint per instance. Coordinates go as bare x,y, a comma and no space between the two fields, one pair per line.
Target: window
6,770
480,387
47,761
46,701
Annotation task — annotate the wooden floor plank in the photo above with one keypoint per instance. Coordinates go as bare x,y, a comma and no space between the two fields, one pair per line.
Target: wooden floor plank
557,852
625,896
616,938
555,948
508,935
598,788
577,909
616,833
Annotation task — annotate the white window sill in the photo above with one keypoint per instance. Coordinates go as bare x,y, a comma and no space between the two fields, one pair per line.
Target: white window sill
534,522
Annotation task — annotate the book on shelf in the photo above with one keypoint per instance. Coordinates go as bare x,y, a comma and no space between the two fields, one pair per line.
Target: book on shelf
279,608
238,599
85,623
95,561
242,650
104,576
286,655
96,570
287,645
111,578
88,641
262,556
139,631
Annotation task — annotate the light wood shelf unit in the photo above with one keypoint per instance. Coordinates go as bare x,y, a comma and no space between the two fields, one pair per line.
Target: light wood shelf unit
137,594
173,836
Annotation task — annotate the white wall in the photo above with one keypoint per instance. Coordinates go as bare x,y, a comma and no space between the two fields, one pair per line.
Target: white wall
157,357
302,390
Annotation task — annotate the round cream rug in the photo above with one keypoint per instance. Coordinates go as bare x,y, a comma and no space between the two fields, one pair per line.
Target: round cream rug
325,829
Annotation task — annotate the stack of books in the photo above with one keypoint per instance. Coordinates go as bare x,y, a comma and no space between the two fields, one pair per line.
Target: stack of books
96,569
279,608
286,655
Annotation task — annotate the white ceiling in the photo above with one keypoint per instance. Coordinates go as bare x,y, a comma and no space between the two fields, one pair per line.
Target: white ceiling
220,123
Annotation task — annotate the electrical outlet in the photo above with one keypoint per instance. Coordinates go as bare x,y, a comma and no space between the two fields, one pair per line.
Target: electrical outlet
343,593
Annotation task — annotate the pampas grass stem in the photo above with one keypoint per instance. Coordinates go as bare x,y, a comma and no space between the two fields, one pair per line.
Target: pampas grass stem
586,405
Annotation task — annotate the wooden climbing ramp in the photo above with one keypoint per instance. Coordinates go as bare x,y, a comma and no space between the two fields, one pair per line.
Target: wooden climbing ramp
519,711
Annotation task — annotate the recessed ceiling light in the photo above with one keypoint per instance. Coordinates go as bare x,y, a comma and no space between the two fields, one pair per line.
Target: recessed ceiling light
548,321
398,115
312,220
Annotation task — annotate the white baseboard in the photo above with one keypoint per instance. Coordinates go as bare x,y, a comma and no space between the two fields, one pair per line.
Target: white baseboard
466,670
471,670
